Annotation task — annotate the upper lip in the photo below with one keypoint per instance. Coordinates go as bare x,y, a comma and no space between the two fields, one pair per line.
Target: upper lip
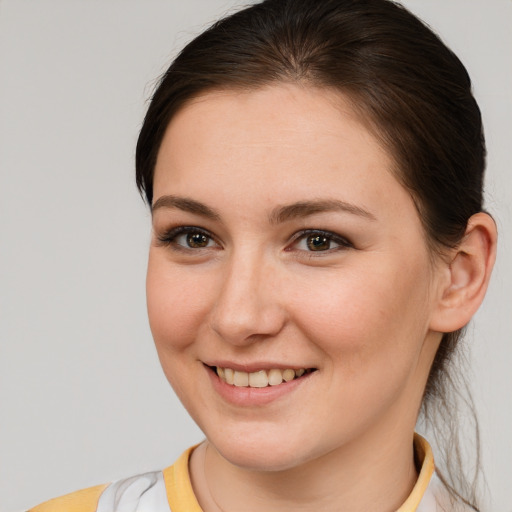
255,366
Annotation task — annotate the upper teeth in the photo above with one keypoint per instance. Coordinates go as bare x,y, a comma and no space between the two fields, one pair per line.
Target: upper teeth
259,379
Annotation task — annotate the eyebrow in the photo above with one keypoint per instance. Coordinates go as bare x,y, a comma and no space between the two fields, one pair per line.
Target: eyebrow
187,205
279,215
303,209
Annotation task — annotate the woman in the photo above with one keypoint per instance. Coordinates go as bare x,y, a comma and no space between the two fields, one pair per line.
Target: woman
314,172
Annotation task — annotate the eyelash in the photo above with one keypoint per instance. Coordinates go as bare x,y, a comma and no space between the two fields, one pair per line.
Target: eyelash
169,237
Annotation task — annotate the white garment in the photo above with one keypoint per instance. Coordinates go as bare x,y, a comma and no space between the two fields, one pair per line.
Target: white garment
141,493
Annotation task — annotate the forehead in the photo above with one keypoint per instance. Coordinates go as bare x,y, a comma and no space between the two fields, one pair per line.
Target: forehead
288,107
290,139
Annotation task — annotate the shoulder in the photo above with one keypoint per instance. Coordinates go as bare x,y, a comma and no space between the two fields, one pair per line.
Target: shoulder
137,493
444,502
430,494
158,491
85,500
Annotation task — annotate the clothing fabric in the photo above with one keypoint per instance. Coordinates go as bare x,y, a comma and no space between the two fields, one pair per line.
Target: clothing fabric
171,490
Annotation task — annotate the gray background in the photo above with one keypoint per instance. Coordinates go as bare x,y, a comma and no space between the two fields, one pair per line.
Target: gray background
82,397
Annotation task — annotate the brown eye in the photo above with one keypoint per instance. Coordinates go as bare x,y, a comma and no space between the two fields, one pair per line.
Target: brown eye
318,243
197,240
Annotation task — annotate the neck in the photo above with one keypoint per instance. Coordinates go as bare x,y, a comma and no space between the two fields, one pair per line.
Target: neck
365,475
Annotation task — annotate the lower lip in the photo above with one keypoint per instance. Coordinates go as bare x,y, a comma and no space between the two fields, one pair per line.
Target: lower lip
246,396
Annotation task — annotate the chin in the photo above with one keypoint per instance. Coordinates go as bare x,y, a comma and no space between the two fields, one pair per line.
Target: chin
259,459
263,452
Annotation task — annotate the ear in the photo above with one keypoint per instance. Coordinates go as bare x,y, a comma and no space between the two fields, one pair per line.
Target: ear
465,275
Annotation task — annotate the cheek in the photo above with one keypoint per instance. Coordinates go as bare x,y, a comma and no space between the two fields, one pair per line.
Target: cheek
356,314
177,301
370,327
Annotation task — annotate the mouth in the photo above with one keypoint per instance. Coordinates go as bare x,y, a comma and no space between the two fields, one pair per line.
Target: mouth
260,378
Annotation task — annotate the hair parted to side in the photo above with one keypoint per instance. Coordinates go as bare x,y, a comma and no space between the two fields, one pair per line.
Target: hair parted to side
410,89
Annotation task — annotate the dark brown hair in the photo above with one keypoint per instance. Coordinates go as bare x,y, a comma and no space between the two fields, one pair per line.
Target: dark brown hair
413,92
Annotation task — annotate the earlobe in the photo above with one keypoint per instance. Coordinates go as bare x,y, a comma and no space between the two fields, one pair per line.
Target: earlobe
467,275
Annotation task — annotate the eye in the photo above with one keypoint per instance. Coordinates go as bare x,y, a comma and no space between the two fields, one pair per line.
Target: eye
188,237
193,240
320,241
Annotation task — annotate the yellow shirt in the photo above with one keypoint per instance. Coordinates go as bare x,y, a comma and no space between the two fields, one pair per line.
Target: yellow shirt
171,490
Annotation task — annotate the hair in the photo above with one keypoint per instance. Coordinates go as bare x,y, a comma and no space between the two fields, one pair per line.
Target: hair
411,90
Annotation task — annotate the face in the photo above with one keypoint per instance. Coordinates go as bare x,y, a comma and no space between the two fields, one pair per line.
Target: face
287,258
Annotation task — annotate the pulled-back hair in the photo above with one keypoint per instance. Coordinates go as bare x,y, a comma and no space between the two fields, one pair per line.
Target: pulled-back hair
408,87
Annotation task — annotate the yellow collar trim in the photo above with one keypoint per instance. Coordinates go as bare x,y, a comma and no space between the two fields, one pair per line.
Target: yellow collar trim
426,459
181,496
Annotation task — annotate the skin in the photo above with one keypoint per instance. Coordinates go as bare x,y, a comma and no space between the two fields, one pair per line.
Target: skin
362,312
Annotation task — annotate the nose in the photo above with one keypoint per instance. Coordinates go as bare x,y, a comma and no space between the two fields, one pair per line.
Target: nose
247,308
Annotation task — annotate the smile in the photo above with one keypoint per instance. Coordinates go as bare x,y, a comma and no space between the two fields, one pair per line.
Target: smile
261,378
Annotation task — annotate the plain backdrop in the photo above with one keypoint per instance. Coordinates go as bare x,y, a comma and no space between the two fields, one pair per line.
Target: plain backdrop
82,397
